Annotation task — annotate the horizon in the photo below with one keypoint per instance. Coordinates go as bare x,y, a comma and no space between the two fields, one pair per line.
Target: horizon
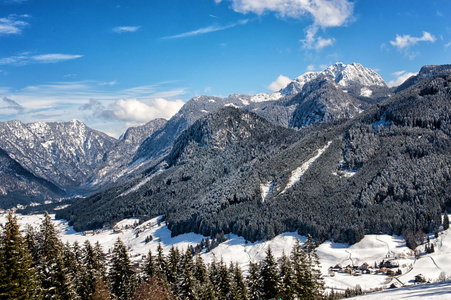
113,65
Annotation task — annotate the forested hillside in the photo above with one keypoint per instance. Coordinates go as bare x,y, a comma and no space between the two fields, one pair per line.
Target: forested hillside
387,170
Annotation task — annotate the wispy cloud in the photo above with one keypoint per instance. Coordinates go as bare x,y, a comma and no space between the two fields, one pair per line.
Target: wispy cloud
122,29
27,58
13,24
13,1
324,13
405,41
7,103
206,30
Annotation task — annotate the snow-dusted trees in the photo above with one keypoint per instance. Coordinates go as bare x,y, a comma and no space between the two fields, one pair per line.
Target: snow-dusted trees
121,273
18,278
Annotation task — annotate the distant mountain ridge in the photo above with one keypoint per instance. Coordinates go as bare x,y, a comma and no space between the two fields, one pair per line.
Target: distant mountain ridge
80,161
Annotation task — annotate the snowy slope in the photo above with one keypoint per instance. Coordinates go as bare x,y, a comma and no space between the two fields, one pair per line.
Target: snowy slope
372,249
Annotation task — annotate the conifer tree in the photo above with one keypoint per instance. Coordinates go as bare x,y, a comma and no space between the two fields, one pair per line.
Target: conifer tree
205,288
161,265
238,290
308,283
54,276
173,271
224,280
150,265
188,286
270,276
445,220
18,279
121,273
286,278
254,281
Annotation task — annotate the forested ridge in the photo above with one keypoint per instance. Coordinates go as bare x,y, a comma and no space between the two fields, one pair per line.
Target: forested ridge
386,170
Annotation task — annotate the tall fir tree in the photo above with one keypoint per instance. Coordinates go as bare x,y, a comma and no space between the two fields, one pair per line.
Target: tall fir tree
121,273
173,271
224,280
55,278
18,278
238,290
445,220
188,286
308,282
270,276
150,265
286,291
254,280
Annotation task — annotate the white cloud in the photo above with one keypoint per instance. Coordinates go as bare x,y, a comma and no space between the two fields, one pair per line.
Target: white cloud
12,24
26,58
94,102
325,13
448,45
280,83
311,68
400,77
122,29
137,111
206,30
405,41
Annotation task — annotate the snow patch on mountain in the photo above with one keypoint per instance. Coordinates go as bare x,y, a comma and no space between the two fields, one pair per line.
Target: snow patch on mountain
298,172
266,189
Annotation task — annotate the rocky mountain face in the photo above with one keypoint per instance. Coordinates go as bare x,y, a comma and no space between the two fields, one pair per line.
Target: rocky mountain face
20,187
70,156
385,170
63,153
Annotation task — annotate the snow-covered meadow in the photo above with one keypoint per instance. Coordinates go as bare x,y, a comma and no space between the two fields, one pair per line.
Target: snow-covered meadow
372,249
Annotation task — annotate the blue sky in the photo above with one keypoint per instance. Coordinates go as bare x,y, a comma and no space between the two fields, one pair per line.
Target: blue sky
116,63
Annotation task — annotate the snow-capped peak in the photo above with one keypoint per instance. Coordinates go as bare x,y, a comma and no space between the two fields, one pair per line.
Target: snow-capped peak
343,75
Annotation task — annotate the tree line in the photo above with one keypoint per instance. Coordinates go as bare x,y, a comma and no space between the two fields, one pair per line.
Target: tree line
36,264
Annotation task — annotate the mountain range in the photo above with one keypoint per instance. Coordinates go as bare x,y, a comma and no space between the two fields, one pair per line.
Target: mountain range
336,154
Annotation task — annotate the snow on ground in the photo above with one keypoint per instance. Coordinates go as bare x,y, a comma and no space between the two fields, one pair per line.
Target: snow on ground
371,249
266,189
297,173
440,290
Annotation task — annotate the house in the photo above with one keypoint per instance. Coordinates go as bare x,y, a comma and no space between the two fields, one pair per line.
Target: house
420,278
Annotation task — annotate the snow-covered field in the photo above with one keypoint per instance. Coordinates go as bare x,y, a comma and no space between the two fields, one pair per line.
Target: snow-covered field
372,249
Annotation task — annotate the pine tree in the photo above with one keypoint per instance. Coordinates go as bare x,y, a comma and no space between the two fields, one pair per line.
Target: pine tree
18,279
121,273
445,221
286,279
308,282
270,276
254,281
188,287
238,290
173,271
150,265
161,265
205,288
54,276
223,280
